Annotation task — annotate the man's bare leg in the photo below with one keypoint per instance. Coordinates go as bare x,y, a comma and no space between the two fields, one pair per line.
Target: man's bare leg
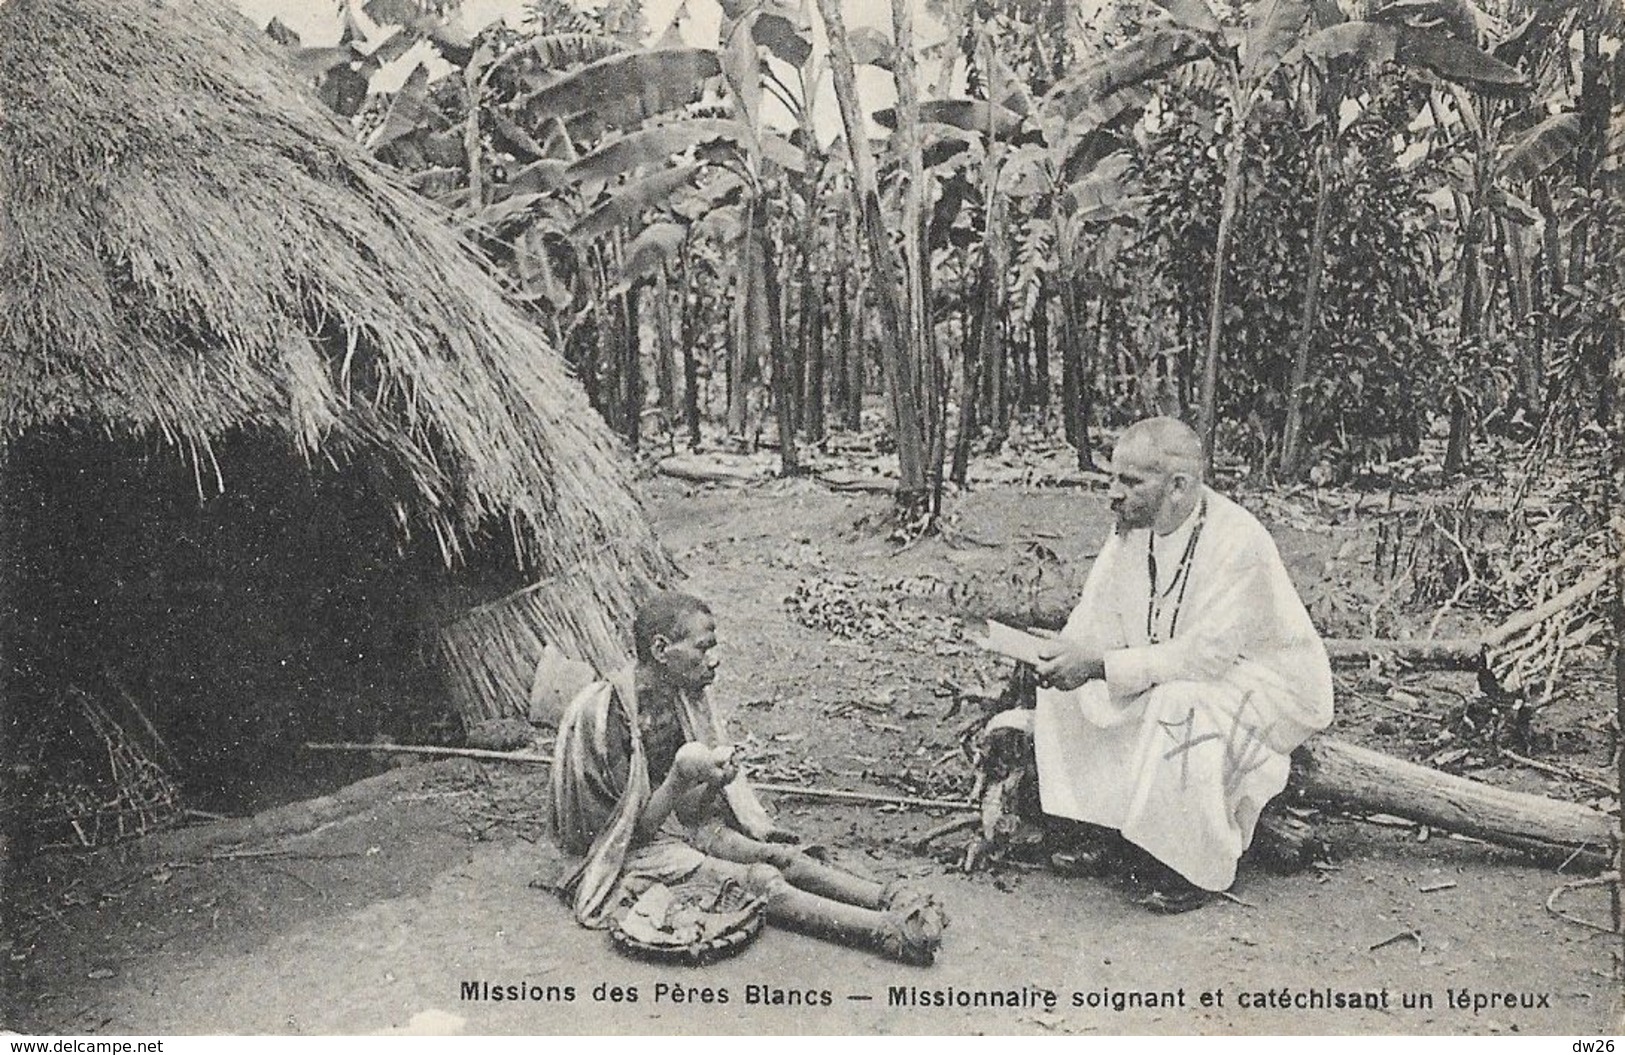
805,873
911,937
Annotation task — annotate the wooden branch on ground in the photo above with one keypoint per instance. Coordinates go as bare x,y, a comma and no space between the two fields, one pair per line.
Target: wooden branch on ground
700,473
949,827
874,485
1335,773
867,797
1567,772
1523,621
780,789
1580,884
440,752
1463,653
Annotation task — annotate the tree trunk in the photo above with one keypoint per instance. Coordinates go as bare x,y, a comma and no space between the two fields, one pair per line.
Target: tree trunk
969,393
813,409
998,370
665,352
796,351
588,365
1469,321
768,333
1020,351
1070,368
741,348
1596,110
810,378
1292,437
691,367
1526,346
1074,378
1040,337
853,338
906,146
897,359
1208,412
1094,356
843,334
1342,775
979,360
1550,277
631,368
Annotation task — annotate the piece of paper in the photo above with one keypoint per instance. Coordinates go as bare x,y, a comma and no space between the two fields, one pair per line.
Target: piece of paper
1009,641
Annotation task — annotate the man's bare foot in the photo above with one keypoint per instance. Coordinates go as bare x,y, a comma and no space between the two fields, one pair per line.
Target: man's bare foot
913,934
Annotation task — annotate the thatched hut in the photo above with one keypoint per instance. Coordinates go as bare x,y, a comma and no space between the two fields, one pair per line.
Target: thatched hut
262,413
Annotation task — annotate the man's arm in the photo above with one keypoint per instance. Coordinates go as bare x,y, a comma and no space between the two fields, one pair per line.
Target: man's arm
688,790
1219,628
1075,655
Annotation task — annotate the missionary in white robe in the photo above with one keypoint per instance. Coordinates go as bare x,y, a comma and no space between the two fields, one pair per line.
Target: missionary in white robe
1212,675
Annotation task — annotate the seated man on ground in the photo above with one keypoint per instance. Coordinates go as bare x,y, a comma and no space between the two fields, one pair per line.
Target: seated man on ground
644,787
1185,676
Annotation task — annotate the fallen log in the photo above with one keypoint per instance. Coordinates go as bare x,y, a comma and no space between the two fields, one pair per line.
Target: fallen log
698,472
1524,620
1460,653
1463,653
298,818
1334,773
874,485
1444,653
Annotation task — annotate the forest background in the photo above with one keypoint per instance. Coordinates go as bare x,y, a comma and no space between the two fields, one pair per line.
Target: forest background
1365,244
1320,232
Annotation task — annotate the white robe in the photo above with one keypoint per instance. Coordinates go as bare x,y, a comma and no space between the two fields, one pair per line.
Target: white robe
1188,736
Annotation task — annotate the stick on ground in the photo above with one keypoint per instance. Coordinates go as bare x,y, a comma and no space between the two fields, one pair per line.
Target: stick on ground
444,752
868,797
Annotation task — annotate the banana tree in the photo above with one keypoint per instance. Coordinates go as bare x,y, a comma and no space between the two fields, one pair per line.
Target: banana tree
1246,59
639,172
897,353
1432,39
916,260
759,330
784,35
631,109
1440,40
1076,175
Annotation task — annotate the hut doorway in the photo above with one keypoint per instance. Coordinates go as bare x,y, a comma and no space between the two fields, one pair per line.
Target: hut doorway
220,610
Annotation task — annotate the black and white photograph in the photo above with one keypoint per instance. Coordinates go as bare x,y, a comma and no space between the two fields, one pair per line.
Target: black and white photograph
841,517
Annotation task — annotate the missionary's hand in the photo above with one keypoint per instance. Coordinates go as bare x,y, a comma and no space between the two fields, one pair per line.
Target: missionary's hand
1068,661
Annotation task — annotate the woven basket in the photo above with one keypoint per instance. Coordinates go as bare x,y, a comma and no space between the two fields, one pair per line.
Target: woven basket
697,921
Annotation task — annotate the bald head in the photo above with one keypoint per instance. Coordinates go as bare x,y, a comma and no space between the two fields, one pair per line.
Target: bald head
1168,444
1156,475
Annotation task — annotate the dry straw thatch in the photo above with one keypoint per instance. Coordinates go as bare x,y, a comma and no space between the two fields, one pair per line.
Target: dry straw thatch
190,245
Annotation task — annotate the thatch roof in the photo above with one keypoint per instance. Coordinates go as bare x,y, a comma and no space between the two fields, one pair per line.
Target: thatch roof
190,245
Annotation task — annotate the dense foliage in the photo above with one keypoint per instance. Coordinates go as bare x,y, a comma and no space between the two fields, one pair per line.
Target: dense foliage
1327,234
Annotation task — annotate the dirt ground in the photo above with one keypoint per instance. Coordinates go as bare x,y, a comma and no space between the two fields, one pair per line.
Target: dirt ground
376,915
